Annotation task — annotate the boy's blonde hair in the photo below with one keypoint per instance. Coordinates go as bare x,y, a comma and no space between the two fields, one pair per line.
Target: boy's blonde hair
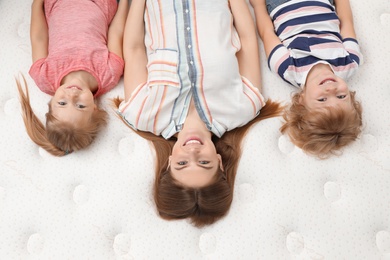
58,138
322,132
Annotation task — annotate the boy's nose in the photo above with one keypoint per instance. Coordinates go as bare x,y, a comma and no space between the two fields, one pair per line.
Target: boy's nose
331,87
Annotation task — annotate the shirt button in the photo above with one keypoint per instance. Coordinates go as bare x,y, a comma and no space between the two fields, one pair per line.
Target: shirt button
186,10
191,62
188,28
189,46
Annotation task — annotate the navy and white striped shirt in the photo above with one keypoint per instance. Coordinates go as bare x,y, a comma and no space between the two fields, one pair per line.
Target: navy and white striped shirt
310,33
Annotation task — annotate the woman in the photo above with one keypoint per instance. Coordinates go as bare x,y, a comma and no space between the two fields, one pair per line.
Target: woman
190,77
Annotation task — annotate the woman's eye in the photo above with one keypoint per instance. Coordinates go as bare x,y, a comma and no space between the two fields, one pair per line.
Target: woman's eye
80,106
321,99
341,96
204,162
61,103
182,163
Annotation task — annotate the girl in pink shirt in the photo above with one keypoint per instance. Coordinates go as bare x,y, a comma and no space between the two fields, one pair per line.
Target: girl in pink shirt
77,56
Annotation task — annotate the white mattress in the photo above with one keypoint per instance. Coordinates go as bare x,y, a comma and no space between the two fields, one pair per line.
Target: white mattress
97,203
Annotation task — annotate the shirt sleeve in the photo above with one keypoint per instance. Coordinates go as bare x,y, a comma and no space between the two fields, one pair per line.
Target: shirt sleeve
111,77
279,61
353,48
39,73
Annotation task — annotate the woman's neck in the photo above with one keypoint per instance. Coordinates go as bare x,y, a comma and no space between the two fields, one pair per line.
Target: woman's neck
193,121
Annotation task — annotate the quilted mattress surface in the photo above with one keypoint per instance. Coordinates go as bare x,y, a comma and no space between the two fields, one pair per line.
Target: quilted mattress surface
97,203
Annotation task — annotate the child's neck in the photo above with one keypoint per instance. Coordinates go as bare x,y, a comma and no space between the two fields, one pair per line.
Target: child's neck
318,69
82,78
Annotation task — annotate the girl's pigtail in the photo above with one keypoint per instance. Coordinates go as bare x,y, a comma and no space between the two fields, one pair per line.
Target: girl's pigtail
35,128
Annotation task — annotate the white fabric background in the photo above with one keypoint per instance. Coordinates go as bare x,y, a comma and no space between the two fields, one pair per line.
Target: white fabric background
97,203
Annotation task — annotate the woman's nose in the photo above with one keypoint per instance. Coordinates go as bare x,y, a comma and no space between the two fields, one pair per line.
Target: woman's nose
192,148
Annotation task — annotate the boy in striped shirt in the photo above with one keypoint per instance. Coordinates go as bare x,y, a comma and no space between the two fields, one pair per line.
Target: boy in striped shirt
311,44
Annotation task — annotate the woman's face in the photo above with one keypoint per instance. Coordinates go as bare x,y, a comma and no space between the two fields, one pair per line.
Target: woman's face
194,160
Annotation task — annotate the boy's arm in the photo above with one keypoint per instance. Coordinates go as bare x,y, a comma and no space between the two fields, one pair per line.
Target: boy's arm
39,35
265,26
248,56
344,12
115,31
134,48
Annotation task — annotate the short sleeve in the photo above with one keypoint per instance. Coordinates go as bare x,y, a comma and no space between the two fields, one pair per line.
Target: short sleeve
352,47
279,62
110,78
39,73
277,58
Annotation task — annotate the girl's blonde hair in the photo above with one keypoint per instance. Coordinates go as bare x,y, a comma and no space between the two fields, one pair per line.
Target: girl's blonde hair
322,132
58,138
205,205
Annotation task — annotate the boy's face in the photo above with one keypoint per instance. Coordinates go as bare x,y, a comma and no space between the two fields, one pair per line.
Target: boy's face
324,89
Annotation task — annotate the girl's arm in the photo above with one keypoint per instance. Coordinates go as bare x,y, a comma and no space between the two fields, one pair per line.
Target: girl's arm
134,48
265,26
248,56
344,12
38,31
115,31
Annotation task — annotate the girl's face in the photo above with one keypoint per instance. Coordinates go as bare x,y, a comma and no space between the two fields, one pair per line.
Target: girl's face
73,104
324,89
194,160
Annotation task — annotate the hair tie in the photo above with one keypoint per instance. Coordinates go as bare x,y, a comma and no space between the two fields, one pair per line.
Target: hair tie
68,151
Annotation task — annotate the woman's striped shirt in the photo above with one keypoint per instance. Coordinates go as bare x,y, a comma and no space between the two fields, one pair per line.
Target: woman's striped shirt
191,48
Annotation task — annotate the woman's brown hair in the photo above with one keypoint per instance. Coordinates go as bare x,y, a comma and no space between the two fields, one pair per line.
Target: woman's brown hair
322,132
205,205
58,138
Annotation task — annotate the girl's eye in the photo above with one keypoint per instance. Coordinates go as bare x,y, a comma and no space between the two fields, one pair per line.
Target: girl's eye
61,103
80,106
182,163
341,96
204,162
322,99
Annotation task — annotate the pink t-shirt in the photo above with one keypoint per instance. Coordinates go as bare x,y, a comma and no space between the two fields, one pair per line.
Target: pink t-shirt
78,41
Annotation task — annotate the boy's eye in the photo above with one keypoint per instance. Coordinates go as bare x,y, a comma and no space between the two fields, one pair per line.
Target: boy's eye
80,106
204,162
322,99
341,96
61,103
182,163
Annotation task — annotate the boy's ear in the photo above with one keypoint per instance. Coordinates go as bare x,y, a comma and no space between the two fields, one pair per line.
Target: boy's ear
301,97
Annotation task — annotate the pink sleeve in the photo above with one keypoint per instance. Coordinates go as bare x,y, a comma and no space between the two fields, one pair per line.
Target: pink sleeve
39,75
110,79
